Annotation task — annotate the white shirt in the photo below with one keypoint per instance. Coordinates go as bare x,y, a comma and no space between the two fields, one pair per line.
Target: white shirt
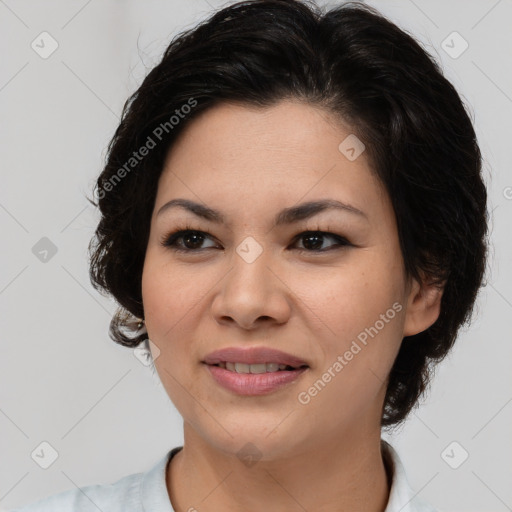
147,492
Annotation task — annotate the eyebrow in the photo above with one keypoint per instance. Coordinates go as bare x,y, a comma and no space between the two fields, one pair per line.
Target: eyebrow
285,216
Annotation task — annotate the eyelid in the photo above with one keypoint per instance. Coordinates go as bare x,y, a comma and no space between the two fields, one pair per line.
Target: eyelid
179,232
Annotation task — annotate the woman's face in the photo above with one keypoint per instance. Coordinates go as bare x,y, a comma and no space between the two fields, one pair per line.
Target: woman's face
249,282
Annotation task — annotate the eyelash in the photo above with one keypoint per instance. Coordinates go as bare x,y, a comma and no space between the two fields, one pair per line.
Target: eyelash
170,239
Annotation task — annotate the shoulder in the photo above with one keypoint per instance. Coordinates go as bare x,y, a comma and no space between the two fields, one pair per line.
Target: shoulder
138,492
401,497
120,496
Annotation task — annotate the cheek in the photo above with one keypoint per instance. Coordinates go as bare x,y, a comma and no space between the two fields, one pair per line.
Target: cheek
169,300
346,299
168,294
356,340
356,311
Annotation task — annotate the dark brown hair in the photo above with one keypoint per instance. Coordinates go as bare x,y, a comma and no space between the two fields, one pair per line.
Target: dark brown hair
376,78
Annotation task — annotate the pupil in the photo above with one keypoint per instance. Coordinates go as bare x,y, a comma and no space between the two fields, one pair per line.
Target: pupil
188,237
317,244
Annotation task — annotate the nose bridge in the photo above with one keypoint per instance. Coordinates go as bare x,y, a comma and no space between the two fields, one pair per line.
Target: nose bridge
251,290
250,274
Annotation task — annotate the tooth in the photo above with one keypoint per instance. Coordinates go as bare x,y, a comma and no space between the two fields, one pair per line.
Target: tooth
253,368
258,368
242,368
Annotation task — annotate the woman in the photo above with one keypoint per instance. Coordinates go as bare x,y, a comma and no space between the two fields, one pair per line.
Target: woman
293,213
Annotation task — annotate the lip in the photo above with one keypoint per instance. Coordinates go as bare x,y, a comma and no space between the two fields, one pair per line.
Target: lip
253,383
253,355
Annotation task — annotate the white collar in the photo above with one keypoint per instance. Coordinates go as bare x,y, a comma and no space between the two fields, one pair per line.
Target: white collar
401,496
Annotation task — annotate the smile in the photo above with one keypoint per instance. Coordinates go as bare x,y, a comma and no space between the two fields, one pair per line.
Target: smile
254,368
248,382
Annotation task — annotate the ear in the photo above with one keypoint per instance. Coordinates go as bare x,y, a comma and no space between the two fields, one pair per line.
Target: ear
423,306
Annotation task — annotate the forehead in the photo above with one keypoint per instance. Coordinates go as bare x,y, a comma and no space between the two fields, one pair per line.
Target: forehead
234,156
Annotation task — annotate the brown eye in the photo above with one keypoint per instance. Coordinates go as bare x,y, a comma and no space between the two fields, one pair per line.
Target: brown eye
314,240
186,240
190,240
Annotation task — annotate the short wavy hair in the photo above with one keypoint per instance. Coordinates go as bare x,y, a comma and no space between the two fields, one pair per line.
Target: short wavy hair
372,75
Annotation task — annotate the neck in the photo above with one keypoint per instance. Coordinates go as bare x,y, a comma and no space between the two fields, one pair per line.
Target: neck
344,475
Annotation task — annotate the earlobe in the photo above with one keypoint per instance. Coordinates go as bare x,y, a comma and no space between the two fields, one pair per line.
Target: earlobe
423,307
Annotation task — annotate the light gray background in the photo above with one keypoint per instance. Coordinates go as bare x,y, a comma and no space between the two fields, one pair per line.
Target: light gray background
105,413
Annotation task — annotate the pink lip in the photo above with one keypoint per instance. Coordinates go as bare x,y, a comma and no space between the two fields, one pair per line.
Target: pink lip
253,383
253,355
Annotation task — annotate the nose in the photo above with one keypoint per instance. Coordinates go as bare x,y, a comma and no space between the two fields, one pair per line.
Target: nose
252,295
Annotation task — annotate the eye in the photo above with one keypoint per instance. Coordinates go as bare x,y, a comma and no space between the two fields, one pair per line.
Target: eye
190,240
315,241
185,240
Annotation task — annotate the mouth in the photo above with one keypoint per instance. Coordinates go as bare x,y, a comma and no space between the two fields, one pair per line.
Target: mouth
254,379
257,368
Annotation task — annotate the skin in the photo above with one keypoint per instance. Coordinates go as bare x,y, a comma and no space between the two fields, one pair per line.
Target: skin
250,163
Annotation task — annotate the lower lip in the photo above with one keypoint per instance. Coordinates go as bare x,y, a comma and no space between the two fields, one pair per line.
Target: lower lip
253,383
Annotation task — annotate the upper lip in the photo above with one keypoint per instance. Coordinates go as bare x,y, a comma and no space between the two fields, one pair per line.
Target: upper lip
253,355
